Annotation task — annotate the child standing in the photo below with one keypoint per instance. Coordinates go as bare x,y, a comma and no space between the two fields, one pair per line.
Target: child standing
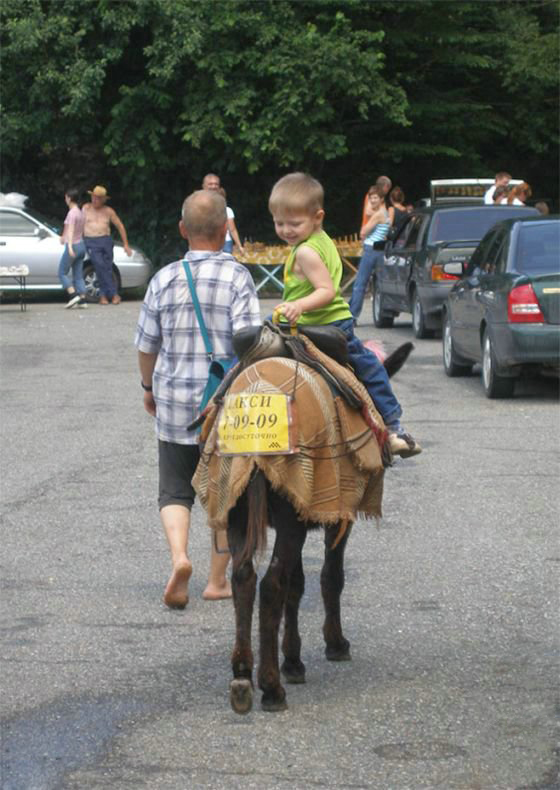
312,276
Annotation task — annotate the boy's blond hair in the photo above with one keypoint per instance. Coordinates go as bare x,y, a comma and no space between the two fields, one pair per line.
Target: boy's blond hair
296,192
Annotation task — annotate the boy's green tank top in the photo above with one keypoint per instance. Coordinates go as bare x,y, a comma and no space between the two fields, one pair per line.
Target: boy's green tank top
294,288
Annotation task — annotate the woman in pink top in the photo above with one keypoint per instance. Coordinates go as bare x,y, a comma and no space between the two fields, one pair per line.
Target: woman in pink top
74,252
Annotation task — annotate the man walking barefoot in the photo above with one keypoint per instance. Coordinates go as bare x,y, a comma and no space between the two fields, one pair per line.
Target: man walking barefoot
174,369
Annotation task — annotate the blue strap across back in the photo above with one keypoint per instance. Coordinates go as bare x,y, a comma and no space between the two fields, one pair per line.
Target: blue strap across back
198,311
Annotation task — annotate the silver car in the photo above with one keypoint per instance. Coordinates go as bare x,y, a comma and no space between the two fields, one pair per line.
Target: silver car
28,238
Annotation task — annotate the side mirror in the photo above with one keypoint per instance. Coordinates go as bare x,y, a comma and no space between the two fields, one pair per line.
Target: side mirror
453,267
41,233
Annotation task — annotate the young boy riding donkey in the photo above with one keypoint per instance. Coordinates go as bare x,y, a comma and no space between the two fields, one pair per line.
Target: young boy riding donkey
312,296
330,468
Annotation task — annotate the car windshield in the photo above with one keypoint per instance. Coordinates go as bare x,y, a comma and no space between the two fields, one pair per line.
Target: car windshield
538,248
468,224
52,224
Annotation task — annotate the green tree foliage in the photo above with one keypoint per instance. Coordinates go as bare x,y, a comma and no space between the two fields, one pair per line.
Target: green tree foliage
146,96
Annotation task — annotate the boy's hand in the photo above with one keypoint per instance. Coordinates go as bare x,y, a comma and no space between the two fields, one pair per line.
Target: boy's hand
290,310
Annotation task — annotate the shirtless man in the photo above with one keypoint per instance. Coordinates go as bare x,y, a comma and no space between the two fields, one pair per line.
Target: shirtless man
99,244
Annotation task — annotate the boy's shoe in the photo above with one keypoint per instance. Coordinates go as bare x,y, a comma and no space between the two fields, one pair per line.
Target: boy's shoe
74,299
116,299
404,445
82,304
103,300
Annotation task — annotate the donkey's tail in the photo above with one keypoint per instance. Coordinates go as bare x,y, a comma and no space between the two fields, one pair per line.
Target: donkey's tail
394,362
257,521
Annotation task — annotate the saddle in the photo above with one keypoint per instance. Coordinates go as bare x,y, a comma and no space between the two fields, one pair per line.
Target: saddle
269,340
273,340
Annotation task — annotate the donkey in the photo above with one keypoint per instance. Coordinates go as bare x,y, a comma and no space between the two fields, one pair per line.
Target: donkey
281,590
282,586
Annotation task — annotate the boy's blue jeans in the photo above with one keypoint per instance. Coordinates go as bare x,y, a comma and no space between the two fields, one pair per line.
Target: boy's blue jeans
365,270
77,266
371,373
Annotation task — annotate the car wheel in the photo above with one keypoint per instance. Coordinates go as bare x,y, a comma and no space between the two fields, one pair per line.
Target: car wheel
495,386
452,363
418,319
92,285
380,319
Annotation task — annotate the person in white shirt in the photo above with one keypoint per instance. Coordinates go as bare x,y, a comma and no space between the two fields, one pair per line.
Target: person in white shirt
500,196
520,194
212,182
501,179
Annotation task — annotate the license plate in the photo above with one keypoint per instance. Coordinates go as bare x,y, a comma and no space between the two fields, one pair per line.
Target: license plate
255,424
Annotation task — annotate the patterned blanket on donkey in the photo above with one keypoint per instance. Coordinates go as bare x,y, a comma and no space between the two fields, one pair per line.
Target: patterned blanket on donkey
337,472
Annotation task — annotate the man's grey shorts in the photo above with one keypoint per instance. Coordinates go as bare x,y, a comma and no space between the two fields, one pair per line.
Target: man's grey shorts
177,464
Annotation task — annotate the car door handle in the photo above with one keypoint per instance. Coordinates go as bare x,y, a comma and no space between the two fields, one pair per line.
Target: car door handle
486,296
2,243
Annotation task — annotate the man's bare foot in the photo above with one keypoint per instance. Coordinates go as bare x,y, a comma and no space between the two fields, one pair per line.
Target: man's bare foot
176,594
216,592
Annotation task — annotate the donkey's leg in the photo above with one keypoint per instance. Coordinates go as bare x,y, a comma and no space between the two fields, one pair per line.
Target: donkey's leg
293,669
290,537
332,583
243,583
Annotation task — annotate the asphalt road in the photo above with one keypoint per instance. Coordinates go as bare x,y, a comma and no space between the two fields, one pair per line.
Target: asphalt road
451,603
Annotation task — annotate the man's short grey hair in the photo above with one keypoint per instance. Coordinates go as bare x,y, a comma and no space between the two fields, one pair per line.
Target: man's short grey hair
384,182
204,214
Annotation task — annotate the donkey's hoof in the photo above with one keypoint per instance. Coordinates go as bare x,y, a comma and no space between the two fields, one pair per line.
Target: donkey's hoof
274,703
241,695
340,652
293,671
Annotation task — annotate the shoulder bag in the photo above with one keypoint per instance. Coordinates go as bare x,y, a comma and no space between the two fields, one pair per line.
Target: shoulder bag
218,367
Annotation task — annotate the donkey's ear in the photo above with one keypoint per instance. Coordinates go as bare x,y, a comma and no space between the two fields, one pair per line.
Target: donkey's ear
396,360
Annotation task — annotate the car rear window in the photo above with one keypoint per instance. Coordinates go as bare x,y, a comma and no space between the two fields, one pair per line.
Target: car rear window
538,248
470,224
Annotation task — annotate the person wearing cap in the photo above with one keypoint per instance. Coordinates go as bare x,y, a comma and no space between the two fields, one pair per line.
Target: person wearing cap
98,218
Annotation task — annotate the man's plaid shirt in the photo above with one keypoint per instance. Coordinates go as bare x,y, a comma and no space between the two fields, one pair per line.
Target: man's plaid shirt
168,327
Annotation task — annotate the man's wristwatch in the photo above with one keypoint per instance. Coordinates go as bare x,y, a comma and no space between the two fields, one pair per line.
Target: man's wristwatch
145,387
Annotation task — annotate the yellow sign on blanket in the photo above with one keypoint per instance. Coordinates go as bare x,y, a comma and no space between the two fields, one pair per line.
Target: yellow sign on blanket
254,423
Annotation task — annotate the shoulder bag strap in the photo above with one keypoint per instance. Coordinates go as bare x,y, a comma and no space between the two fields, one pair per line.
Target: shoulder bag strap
198,311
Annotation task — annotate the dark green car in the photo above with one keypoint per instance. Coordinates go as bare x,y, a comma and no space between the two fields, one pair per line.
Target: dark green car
505,311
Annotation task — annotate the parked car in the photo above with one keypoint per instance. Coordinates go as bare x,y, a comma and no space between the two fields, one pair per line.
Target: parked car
27,237
411,278
505,311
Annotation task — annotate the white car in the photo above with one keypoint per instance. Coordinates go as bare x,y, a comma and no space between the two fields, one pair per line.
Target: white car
30,239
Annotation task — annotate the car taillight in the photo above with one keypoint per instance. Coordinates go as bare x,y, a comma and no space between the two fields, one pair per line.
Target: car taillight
439,274
523,306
